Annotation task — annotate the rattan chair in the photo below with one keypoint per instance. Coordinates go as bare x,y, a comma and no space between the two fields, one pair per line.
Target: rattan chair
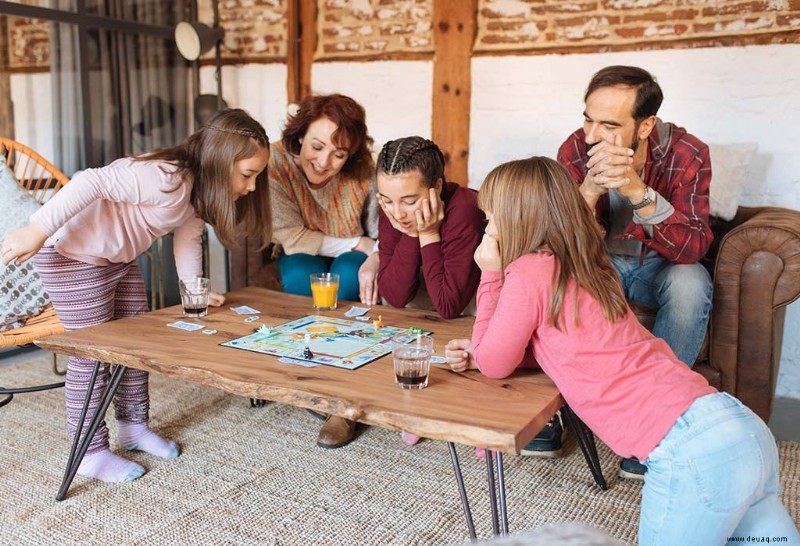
42,180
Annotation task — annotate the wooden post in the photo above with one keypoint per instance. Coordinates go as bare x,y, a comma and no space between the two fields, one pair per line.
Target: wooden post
302,17
454,26
6,106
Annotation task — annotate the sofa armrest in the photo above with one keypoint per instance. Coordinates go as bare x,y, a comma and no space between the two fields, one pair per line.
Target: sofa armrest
756,275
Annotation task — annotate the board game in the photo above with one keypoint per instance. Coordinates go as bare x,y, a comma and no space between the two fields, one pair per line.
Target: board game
331,341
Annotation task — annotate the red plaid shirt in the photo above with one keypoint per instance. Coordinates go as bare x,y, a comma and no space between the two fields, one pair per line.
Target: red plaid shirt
679,169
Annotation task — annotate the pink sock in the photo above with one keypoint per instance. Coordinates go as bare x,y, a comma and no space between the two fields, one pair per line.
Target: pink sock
408,438
137,437
480,452
108,467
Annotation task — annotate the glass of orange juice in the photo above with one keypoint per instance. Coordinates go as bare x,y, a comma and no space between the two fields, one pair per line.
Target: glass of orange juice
324,287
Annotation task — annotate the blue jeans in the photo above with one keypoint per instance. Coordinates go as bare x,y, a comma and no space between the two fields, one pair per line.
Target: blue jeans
296,268
680,292
714,476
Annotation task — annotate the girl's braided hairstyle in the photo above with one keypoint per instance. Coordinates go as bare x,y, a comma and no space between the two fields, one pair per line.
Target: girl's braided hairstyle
406,154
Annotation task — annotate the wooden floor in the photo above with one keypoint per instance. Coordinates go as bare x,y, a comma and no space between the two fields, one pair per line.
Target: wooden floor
783,423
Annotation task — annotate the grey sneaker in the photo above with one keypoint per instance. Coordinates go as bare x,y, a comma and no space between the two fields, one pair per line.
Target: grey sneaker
548,443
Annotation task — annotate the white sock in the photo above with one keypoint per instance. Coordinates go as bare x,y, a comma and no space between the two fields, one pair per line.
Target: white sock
137,437
108,467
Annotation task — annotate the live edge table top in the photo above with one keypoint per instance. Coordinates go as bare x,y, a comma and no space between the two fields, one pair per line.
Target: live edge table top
466,408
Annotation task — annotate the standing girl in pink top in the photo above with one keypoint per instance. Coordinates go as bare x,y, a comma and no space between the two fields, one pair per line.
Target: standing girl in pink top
91,232
549,297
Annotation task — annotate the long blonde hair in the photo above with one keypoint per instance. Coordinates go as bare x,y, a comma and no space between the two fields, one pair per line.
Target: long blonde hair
208,156
537,207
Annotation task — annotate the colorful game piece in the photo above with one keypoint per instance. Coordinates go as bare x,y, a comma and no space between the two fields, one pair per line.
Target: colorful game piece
264,329
378,324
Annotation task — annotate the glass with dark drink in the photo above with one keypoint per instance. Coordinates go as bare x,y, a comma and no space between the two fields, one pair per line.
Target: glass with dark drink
194,296
412,358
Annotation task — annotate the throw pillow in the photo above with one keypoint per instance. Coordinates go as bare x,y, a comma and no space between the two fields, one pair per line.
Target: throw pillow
21,292
730,164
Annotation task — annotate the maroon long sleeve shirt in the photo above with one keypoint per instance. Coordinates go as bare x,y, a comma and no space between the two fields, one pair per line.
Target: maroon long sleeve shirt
450,272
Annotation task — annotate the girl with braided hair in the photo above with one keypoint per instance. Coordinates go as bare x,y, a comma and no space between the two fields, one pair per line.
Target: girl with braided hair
429,229
89,235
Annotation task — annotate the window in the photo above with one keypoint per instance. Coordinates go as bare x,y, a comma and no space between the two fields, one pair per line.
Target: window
93,80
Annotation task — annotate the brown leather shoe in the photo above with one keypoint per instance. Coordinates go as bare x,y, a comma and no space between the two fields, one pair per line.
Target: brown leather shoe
336,432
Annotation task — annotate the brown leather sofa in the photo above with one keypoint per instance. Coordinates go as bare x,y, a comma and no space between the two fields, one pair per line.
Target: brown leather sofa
754,262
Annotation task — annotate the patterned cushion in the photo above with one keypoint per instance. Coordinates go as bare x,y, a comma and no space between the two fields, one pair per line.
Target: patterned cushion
21,292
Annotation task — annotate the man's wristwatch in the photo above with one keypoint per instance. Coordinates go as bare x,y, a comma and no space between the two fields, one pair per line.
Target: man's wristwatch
649,197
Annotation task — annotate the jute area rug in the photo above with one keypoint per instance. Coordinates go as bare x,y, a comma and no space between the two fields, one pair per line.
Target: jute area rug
255,476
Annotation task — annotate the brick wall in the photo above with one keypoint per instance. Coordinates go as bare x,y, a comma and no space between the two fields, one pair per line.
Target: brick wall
255,30
359,28
29,44
603,25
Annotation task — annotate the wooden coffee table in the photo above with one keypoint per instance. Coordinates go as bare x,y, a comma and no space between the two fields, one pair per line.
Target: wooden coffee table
467,408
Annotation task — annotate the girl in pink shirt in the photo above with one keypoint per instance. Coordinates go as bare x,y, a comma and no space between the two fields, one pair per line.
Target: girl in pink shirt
549,297
89,235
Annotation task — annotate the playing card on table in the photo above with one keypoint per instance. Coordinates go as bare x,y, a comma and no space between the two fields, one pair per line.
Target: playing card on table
188,326
244,310
438,360
356,311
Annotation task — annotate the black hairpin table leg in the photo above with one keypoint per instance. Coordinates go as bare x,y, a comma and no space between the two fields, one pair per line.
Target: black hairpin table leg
80,443
492,494
462,492
501,489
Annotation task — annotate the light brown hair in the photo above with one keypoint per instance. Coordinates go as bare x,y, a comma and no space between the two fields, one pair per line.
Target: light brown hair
208,157
537,207
351,130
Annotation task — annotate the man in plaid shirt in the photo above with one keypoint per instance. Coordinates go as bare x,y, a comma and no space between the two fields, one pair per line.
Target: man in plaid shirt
647,182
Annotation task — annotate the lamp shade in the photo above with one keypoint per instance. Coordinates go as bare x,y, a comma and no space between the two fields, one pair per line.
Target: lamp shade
194,39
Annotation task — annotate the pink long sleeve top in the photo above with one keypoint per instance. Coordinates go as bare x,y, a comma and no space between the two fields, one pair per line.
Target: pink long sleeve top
114,213
623,382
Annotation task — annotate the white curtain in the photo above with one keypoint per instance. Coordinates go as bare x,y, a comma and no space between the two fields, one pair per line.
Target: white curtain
138,86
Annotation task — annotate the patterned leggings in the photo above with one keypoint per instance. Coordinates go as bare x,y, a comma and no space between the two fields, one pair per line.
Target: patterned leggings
85,295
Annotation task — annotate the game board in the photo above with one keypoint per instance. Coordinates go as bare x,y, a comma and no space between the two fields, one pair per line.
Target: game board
334,342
